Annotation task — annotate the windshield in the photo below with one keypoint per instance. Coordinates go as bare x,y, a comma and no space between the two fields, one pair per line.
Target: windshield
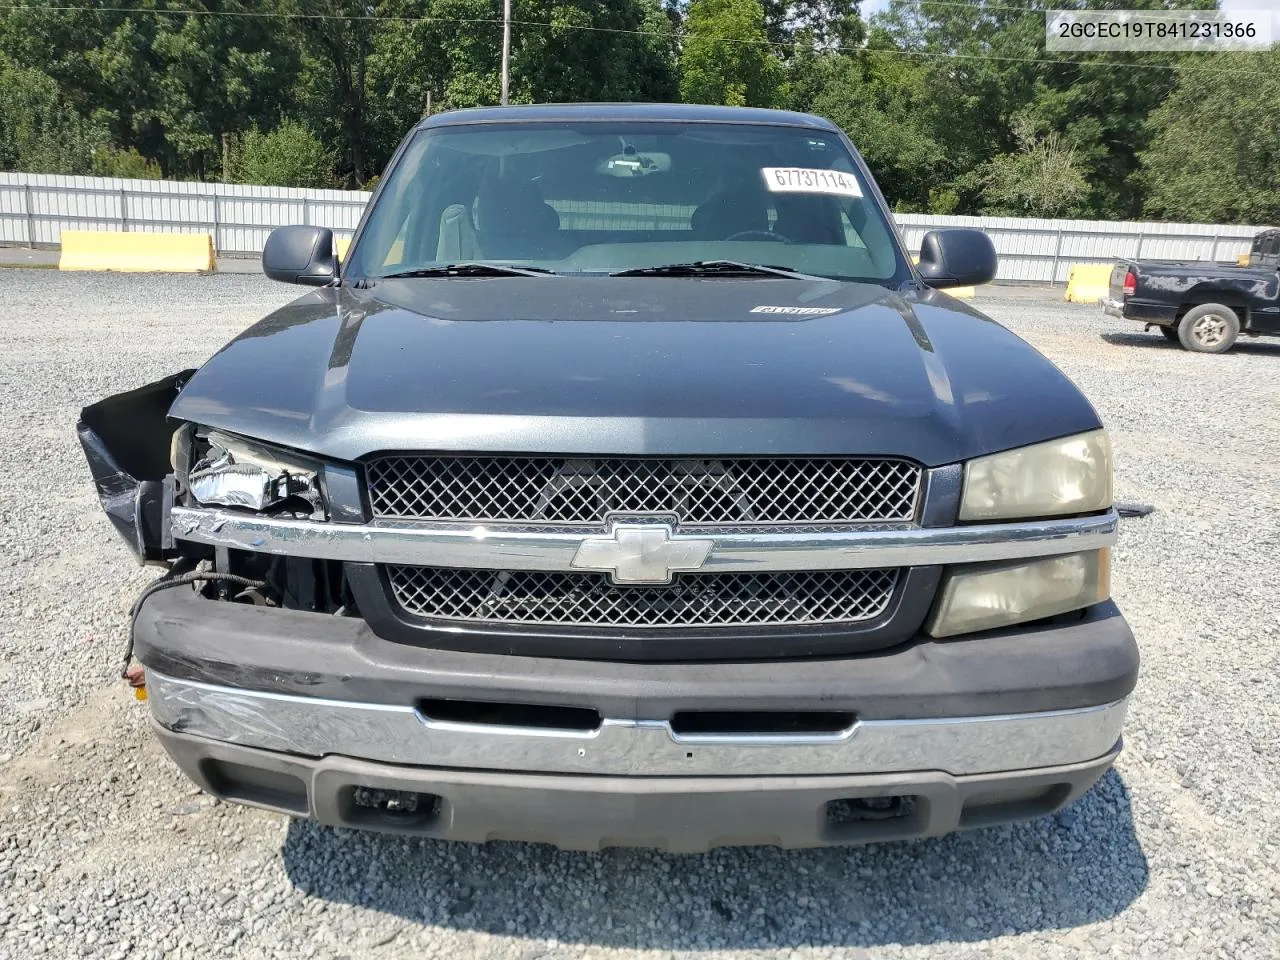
597,198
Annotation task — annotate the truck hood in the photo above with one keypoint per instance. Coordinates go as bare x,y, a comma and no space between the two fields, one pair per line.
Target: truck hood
644,366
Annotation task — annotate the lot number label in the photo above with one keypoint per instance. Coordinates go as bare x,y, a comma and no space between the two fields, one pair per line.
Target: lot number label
810,180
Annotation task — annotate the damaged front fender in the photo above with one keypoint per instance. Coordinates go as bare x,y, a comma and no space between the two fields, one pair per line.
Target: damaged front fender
127,440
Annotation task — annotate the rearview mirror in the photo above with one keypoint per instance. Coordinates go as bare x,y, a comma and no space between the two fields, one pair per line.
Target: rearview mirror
957,257
633,164
300,255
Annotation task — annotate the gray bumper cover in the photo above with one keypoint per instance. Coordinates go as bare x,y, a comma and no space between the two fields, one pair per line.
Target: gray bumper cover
296,712
1086,662
678,814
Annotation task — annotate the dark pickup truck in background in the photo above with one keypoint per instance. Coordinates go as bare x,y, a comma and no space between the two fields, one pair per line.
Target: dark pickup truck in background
1203,306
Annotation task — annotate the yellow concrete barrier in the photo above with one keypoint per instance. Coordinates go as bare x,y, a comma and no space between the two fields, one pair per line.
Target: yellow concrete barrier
1088,282
341,245
136,252
1242,260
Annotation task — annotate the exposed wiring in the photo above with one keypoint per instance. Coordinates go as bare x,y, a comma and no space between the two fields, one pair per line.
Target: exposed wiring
172,579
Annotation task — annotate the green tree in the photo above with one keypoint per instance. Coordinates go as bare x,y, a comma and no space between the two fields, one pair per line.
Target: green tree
447,56
1040,179
1215,143
217,75
337,40
622,50
159,79
883,105
933,98
39,132
812,24
113,162
288,156
986,64
726,57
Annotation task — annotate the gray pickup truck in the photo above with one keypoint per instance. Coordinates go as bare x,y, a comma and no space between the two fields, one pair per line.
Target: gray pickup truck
1203,306
626,483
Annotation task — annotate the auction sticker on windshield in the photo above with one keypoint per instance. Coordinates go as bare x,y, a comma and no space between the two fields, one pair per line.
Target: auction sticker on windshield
810,180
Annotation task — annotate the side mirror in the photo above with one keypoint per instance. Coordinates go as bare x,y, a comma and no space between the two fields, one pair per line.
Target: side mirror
300,255
957,257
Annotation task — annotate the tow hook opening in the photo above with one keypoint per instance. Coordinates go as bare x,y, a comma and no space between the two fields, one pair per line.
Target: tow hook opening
373,805
862,809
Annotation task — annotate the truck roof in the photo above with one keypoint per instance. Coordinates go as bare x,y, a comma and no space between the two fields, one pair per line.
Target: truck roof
686,112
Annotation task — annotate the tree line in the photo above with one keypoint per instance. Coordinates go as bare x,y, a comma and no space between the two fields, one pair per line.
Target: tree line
957,107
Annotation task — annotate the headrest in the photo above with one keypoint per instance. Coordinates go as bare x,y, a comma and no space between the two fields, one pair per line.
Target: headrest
808,219
507,207
729,213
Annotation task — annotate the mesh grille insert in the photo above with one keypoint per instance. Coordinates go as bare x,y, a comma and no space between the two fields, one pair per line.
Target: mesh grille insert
697,492
690,600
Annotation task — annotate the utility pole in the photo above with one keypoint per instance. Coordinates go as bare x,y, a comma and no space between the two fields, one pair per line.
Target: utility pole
506,49
226,158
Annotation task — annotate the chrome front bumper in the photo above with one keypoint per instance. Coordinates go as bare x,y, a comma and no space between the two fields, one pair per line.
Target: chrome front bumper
391,734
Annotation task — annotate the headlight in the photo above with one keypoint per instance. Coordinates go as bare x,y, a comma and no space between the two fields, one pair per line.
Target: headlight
234,472
989,595
1072,475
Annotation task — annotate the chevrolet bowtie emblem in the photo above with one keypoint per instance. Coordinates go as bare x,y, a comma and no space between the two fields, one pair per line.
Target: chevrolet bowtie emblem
642,553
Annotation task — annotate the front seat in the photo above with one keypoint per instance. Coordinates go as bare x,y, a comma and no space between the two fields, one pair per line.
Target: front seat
457,236
513,222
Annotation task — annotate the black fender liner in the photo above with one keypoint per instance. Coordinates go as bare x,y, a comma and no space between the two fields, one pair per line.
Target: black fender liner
126,439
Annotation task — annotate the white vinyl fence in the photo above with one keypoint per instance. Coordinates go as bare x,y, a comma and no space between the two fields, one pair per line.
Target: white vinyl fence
1042,251
35,208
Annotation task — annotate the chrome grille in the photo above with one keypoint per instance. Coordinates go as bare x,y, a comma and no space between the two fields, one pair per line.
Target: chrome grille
720,492
690,600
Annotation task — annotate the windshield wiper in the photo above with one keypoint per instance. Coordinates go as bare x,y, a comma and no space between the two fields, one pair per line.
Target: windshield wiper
715,268
470,268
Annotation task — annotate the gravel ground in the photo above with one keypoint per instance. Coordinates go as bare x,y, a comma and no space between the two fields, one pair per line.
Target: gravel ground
105,851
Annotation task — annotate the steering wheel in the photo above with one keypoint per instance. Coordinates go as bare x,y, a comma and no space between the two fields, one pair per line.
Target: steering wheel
759,235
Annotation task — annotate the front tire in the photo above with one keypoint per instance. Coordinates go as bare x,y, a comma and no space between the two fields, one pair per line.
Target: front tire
1209,328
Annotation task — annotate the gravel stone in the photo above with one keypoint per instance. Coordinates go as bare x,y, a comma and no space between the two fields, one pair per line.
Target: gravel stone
106,852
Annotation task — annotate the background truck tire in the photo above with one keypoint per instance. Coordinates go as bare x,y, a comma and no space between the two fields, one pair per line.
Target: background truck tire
1209,328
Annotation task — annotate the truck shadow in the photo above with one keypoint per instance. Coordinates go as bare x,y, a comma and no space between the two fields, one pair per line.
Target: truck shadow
1081,866
1261,346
